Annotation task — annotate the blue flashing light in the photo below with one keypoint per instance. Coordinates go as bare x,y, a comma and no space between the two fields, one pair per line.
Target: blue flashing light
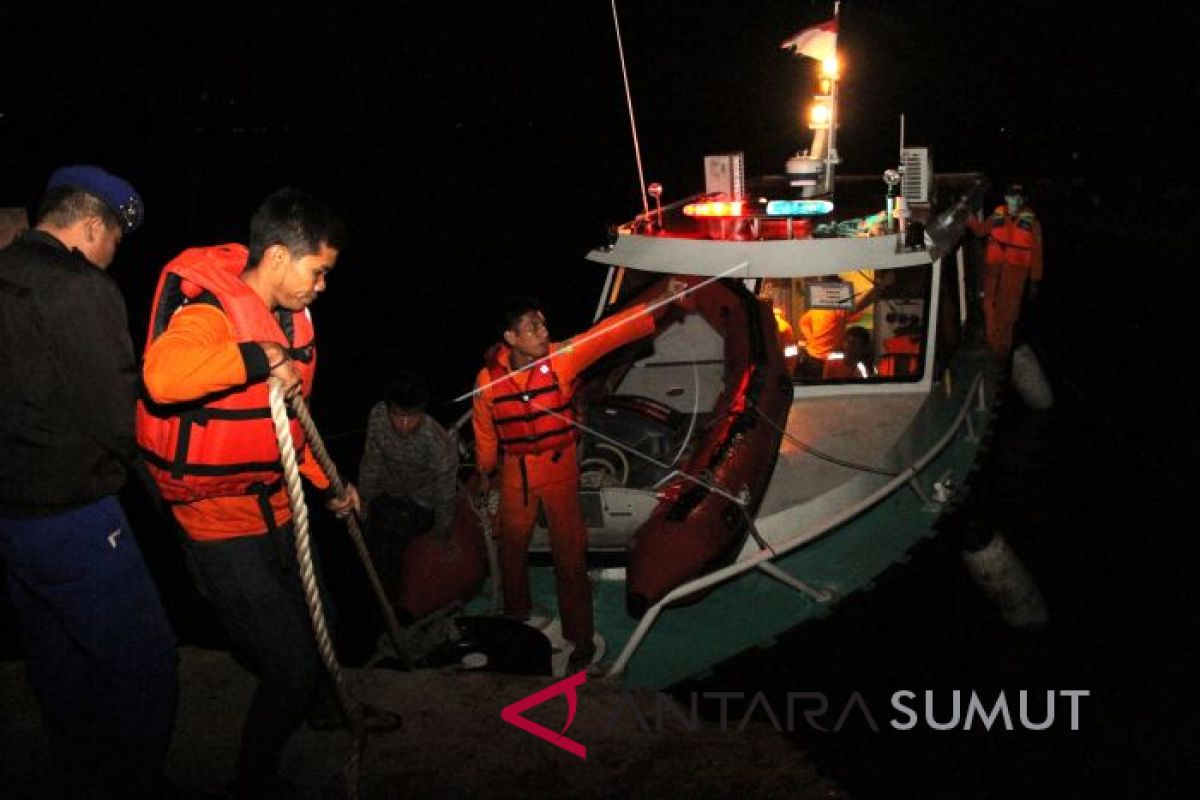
799,208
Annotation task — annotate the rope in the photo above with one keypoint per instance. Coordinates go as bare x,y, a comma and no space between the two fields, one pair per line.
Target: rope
825,456
339,489
593,333
489,544
711,486
637,150
312,595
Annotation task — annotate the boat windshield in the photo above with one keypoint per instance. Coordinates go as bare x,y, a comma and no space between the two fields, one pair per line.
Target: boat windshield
858,325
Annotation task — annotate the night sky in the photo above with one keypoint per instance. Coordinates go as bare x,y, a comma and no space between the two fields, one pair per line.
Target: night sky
484,136
478,149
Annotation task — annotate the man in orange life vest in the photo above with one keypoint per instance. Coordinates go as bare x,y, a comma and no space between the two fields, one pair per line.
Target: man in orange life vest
901,356
1014,253
522,419
225,319
823,330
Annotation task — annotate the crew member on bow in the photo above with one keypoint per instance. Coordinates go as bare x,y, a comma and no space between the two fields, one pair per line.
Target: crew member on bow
523,421
1014,254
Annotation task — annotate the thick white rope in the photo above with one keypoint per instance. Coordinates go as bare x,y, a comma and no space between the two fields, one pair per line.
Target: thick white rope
308,578
398,639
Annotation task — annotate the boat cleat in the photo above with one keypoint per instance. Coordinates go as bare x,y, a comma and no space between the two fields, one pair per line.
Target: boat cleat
945,489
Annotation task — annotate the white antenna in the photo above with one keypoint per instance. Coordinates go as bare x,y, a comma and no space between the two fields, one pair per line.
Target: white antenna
637,150
831,156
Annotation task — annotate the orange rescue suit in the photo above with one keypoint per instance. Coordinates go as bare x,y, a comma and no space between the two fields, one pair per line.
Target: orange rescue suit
205,428
1014,254
543,471
900,356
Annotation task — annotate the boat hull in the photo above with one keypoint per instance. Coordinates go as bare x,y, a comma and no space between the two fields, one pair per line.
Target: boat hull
751,609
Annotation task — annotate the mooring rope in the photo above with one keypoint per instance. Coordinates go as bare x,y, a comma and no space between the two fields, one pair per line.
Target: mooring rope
710,485
891,473
483,511
315,444
593,333
308,578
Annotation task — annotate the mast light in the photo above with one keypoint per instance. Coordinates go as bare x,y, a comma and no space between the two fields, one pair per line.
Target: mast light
819,116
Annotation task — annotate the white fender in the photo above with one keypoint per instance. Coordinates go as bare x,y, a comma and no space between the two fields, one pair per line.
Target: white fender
1029,380
1003,579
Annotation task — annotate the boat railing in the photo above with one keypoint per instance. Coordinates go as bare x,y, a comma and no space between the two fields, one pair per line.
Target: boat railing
763,559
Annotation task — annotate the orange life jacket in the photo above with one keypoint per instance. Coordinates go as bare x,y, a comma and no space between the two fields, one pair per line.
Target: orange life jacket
223,444
900,357
536,419
1011,244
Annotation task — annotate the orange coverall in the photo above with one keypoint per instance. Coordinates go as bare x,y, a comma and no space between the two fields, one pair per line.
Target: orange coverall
196,356
823,330
550,479
1005,270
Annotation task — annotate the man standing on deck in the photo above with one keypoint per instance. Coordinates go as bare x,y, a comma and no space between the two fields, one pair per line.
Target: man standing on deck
225,319
1014,254
523,419
99,650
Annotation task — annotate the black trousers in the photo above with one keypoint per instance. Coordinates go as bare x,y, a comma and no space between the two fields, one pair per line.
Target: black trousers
253,583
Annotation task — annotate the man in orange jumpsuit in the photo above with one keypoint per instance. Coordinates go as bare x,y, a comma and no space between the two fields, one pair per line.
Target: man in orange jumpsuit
901,354
823,330
226,319
523,421
1014,254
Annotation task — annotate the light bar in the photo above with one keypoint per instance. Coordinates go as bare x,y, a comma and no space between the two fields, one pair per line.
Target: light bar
799,208
735,208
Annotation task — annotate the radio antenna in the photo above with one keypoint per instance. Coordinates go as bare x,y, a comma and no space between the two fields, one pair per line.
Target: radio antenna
637,150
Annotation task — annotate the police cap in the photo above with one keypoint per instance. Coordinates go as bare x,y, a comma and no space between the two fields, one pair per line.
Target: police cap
117,193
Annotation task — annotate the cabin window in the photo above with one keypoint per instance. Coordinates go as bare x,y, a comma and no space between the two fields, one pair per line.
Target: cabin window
853,326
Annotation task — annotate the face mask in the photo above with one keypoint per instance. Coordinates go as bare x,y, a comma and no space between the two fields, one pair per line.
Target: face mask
1013,200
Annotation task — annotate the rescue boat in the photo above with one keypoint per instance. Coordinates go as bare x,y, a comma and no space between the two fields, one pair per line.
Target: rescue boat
733,487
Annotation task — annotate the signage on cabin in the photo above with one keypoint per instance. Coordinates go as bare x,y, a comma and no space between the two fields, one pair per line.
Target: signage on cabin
830,294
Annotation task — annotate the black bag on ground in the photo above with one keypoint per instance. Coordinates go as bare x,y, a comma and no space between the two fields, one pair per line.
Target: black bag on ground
509,646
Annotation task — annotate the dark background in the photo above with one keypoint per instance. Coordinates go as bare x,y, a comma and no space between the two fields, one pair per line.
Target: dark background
482,149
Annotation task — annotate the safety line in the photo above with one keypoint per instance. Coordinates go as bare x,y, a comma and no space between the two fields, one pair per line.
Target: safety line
571,342
622,446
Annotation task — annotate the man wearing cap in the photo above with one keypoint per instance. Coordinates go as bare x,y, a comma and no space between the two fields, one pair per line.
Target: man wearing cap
1014,254
99,650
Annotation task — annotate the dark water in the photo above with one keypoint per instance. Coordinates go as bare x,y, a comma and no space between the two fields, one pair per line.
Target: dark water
1092,497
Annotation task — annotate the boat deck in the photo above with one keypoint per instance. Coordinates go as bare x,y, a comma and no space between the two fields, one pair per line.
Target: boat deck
840,433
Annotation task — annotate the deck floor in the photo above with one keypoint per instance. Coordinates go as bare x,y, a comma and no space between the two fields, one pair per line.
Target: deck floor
855,430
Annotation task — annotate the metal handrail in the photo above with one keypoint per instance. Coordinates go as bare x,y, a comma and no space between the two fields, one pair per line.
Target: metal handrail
804,537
